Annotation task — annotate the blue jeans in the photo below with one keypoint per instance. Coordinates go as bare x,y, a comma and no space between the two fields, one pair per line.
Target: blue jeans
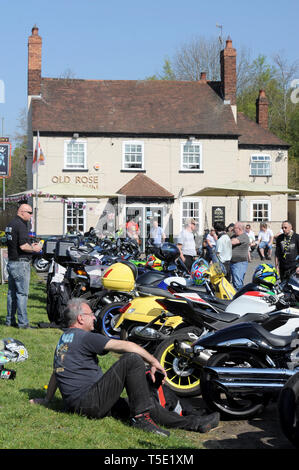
238,271
18,290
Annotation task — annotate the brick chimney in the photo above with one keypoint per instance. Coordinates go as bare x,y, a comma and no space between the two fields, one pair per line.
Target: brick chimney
228,57
203,77
262,109
34,62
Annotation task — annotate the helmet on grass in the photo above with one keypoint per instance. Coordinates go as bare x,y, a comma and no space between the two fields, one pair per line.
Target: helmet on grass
12,350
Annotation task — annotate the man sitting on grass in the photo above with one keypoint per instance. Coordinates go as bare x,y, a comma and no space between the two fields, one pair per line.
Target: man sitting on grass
82,384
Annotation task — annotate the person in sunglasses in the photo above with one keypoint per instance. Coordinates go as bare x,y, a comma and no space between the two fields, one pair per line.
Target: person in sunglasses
20,250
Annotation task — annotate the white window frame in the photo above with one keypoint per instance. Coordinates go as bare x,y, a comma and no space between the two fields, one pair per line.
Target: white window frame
132,142
198,218
264,202
73,201
75,141
187,166
264,159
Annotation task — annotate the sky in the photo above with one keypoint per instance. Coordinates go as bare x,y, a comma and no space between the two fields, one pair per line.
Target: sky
128,39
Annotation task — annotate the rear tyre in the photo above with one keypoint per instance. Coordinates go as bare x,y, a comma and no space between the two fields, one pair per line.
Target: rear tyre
183,377
232,405
288,410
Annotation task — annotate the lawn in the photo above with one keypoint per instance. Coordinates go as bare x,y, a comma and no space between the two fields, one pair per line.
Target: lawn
27,426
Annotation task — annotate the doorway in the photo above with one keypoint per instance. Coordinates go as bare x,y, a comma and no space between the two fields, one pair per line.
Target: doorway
143,217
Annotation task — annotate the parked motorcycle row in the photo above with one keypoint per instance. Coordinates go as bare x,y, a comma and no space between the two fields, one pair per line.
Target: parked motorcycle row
239,350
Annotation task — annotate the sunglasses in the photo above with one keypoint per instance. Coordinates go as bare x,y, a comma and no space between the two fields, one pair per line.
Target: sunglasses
28,212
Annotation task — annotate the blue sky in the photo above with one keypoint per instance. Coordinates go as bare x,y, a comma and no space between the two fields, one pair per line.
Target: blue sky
118,39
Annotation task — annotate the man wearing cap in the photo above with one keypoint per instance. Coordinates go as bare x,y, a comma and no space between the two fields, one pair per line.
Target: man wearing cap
186,243
20,251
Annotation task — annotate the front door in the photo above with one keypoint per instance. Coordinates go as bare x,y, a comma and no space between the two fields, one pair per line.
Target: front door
143,217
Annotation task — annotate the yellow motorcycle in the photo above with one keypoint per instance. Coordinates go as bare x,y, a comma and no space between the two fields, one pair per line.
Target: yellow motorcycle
142,319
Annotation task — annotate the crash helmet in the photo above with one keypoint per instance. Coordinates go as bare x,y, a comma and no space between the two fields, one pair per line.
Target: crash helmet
265,273
12,350
198,270
153,262
168,252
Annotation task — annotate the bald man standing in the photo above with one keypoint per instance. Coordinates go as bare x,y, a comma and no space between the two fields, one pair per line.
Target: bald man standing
20,251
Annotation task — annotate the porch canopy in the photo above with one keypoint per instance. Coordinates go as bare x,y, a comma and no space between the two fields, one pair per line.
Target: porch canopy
241,189
64,190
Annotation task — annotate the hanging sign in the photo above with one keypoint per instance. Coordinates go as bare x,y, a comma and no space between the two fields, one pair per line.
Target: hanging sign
5,157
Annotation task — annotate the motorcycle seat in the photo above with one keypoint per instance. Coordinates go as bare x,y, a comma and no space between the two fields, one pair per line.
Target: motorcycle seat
156,291
275,340
248,317
216,316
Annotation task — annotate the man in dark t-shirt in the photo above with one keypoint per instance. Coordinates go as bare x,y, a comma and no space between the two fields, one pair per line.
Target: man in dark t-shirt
19,250
287,249
80,379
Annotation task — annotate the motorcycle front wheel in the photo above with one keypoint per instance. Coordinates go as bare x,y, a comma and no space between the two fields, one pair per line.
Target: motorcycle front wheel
288,410
183,377
106,319
232,405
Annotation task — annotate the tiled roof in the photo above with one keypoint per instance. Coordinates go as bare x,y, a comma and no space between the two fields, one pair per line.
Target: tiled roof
132,107
253,134
143,186
146,107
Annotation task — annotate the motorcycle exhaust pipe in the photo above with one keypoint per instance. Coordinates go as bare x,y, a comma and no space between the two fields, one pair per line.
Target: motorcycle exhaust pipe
186,350
246,380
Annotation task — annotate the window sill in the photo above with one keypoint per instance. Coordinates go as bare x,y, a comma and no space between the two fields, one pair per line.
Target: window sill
136,170
75,170
191,171
260,176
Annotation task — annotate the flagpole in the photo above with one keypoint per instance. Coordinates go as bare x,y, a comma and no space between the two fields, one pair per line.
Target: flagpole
36,185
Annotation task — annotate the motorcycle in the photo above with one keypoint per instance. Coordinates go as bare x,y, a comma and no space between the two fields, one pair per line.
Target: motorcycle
119,322
248,367
142,291
288,402
273,314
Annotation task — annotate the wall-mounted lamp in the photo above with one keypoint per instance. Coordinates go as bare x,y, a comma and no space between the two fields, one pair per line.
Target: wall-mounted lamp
75,135
191,138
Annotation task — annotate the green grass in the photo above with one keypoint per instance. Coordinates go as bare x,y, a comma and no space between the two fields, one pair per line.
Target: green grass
27,426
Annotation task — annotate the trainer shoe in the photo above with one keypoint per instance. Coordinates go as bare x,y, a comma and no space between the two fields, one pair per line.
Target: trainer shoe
208,422
146,423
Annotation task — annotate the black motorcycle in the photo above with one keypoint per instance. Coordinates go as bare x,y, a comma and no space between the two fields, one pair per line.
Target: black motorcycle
288,409
248,367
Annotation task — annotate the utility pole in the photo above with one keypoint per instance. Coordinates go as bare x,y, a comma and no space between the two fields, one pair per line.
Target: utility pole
3,179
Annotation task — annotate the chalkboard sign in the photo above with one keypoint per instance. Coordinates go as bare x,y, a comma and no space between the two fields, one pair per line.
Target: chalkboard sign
218,214
5,153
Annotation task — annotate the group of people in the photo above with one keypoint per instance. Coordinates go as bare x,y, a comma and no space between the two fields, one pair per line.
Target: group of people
84,387
232,246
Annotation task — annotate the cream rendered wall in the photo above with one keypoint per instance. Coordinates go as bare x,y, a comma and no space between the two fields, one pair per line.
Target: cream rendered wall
279,168
222,163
